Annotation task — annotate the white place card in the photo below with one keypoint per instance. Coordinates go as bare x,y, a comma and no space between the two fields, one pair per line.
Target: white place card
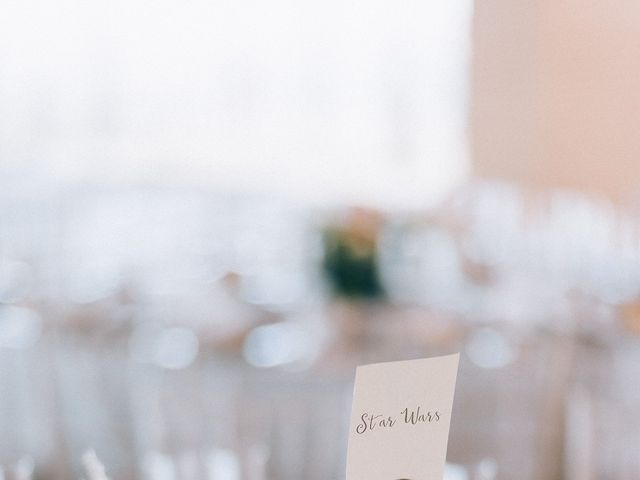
400,419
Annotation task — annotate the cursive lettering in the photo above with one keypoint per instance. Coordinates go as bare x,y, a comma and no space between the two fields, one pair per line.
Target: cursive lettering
371,421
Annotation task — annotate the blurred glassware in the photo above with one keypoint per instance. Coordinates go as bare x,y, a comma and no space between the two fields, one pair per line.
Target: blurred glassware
508,408
603,434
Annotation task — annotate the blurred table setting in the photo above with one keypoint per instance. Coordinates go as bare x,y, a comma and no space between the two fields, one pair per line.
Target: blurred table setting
182,335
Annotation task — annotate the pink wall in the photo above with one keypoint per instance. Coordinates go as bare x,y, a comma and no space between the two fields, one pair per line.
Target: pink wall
556,94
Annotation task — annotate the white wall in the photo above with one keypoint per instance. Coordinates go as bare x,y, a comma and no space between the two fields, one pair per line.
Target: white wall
356,101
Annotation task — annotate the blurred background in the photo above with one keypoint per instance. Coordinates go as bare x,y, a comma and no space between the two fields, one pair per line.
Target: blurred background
212,211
